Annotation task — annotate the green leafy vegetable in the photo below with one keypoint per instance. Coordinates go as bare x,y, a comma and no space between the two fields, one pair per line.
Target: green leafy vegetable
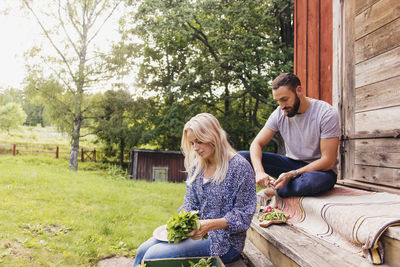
202,263
273,215
181,224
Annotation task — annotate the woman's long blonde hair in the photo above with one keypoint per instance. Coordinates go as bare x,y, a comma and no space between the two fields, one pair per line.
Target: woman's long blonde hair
206,129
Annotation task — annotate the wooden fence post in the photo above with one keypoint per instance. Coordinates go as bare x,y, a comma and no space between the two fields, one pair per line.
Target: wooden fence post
14,149
57,151
82,155
94,155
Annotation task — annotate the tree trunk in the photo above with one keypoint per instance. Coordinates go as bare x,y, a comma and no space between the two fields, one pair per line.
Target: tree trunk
121,152
73,156
227,100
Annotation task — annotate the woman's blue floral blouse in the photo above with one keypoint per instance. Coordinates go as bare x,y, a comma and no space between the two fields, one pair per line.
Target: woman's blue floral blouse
234,199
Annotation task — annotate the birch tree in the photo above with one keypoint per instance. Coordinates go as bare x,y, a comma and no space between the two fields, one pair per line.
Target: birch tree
71,28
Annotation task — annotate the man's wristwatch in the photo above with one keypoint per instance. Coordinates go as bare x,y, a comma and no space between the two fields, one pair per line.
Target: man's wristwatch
295,173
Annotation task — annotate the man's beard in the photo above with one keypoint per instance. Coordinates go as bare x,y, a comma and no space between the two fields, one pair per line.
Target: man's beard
295,108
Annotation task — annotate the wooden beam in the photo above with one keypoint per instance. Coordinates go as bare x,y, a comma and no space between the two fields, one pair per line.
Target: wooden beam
348,93
369,187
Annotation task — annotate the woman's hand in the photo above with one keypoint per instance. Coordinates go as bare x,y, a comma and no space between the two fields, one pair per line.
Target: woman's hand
207,226
263,179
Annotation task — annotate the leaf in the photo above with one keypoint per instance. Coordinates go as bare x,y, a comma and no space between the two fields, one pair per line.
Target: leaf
180,224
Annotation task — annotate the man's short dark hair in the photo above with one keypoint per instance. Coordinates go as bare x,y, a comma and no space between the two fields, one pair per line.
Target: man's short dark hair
286,79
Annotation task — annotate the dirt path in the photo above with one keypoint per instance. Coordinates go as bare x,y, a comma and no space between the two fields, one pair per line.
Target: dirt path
116,262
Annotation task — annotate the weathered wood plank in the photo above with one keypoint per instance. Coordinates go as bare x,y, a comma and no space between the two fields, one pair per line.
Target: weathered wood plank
376,16
326,46
254,255
369,187
336,55
382,159
389,145
361,5
378,42
379,68
348,92
378,95
337,66
383,152
269,249
371,153
378,121
377,175
284,245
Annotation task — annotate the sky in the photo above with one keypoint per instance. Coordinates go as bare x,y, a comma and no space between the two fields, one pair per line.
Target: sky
19,32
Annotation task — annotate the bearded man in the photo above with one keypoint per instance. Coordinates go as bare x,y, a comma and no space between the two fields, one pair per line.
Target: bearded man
310,130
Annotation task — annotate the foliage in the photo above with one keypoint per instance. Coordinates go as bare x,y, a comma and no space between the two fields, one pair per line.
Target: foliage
272,214
12,116
181,224
202,263
52,216
209,56
120,120
33,110
71,29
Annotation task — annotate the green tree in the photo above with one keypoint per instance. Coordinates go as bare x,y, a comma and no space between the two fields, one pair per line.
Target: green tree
71,28
11,116
219,56
120,120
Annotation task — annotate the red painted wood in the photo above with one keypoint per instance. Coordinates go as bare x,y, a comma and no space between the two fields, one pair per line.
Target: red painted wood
300,41
326,50
149,159
313,47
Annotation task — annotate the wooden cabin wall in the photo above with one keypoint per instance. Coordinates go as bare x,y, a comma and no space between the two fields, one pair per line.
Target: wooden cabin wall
371,92
144,161
313,47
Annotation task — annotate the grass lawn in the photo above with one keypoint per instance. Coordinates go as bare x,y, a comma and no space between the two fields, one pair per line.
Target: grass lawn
51,216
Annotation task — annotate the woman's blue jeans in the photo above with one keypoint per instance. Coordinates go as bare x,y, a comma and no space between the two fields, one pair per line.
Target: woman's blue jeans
155,249
307,184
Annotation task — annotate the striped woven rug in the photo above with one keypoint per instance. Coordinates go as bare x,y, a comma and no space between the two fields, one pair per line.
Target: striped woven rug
349,218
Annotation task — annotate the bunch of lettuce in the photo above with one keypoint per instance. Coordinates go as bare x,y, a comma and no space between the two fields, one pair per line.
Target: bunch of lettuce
202,263
181,224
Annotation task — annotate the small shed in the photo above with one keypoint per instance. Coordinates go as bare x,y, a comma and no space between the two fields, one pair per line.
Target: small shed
156,165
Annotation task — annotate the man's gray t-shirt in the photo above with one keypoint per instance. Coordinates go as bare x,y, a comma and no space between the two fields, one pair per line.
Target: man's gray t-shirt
302,133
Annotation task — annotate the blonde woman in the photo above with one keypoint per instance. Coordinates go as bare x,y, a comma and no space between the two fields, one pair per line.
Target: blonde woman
221,186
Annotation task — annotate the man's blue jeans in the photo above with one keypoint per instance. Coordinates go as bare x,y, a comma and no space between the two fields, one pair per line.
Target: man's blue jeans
155,249
307,184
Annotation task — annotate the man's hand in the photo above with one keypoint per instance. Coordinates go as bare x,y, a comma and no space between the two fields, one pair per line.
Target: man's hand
263,179
282,180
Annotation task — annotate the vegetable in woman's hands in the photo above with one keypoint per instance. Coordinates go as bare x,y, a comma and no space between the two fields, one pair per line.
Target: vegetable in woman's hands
180,224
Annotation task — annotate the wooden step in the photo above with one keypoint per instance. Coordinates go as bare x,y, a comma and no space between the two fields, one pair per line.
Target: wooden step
254,257
285,245
251,257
